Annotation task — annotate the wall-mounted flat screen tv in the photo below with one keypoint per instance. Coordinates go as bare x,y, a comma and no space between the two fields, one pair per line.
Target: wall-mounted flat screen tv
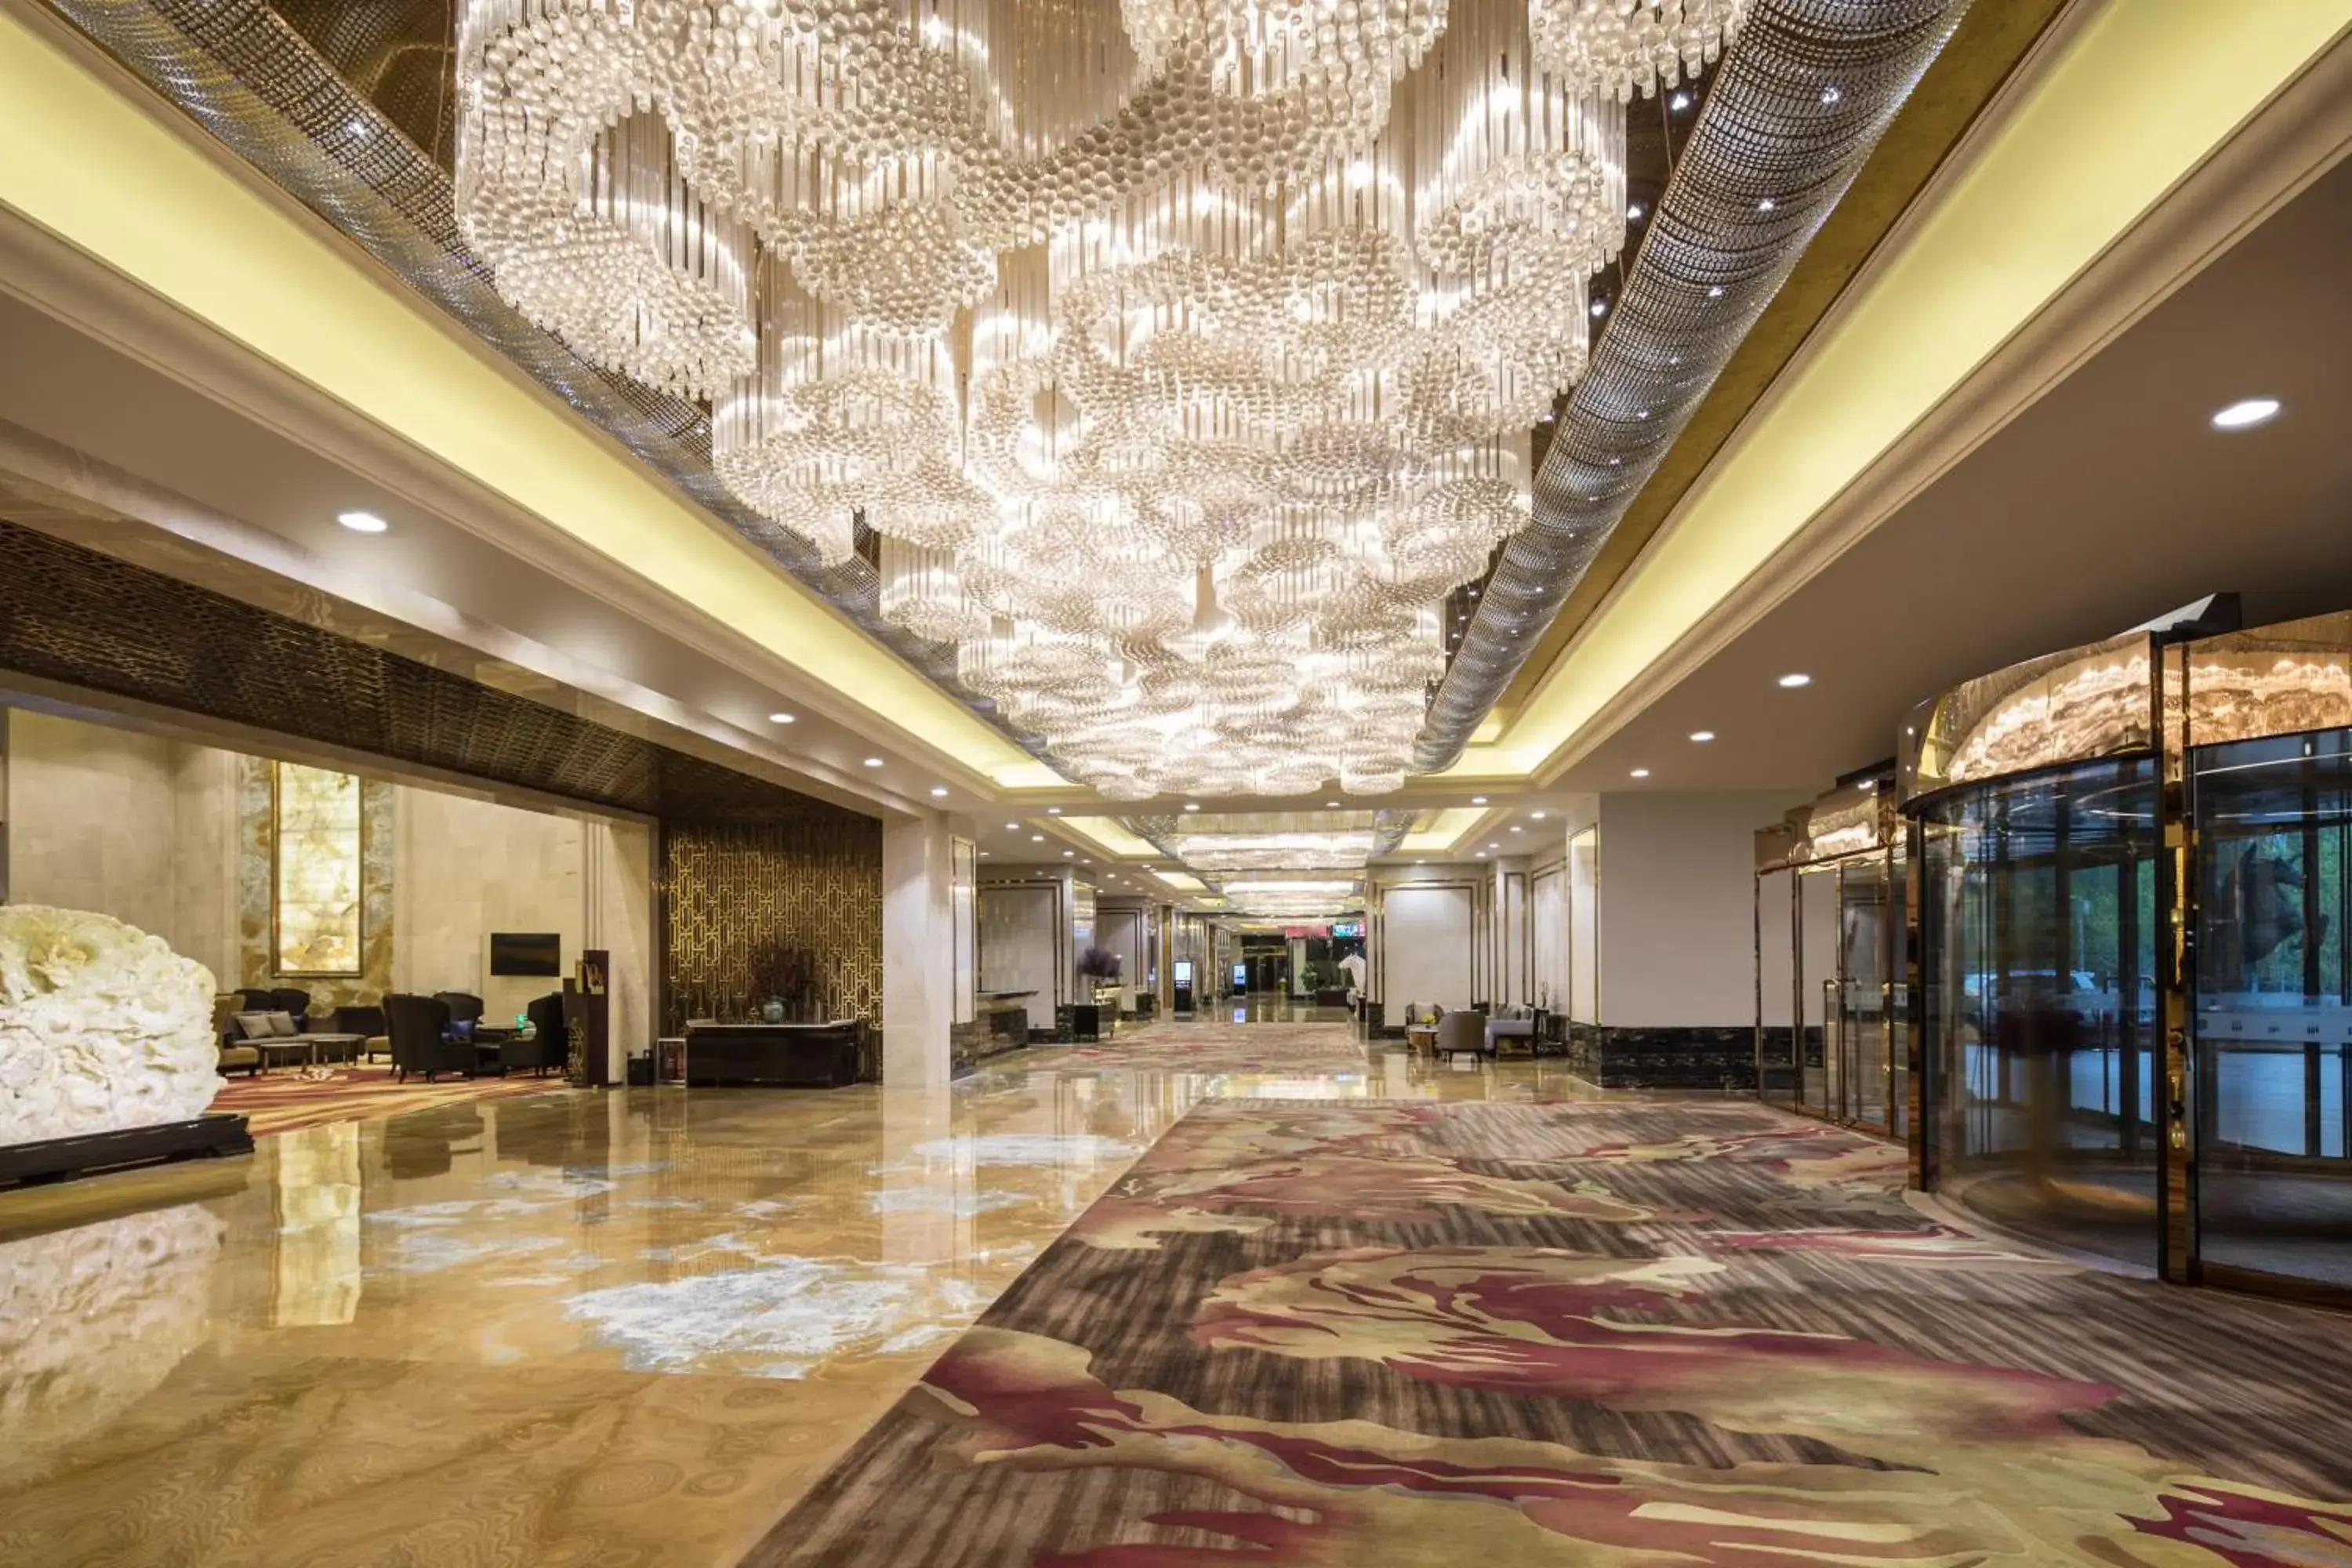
526,952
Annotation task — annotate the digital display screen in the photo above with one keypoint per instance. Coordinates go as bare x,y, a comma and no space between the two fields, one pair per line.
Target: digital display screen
1183,971
1347,930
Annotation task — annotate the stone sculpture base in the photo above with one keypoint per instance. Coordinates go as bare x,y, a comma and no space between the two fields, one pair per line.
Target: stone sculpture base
49,1159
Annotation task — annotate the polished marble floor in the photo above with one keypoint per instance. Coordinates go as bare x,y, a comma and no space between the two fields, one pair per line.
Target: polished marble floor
611,1329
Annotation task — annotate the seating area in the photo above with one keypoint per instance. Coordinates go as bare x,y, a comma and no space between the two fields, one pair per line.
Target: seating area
262,1029
1490,1031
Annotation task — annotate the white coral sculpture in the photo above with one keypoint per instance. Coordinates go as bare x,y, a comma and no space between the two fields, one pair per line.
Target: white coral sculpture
103,1027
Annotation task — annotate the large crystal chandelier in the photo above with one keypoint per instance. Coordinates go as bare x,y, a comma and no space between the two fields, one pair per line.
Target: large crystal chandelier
1181,353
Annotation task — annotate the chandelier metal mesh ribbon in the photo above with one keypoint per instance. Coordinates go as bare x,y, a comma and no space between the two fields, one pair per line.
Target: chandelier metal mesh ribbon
1182,352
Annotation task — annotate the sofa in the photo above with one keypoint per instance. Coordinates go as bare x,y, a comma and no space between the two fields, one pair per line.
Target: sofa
234,1052
257,1028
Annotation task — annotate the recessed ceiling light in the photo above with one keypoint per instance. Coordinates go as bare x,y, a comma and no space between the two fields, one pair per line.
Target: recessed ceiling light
1067,853
1702,735
939,792
2246,412
1601,306
1517,828
1795,678
1052,811
1480,856
1036,838
1679,102
1640,773
368,522
782,719
1633,211
1330,805
985,854
1535,816
1012,827
1477,800
1191,805
873,762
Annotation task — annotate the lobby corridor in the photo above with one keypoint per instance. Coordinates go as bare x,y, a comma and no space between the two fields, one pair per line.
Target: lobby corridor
625,1328
1201,1293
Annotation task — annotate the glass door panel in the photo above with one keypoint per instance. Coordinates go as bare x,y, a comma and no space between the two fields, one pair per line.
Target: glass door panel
1776,981
1864,929
2038,931
2272,1027
1899,995
1817,989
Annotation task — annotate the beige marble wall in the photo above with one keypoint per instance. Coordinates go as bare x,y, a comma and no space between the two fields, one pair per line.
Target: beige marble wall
127,825
618,860
255,958
464,868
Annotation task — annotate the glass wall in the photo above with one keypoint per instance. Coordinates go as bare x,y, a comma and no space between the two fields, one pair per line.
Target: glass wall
1776,972
1817,985
2272,1026
2038,928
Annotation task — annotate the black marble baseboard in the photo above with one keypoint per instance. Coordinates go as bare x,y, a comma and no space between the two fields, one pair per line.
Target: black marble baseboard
1718,1058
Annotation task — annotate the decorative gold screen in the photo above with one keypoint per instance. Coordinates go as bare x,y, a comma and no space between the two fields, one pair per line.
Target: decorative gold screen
317,848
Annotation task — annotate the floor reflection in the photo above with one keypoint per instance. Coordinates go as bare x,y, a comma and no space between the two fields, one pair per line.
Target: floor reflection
621,1328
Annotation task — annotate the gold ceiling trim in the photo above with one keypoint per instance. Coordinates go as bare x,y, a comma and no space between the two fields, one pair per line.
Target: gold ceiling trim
1984,51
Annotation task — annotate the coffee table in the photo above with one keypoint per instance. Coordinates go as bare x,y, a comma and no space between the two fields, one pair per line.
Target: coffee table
307,1048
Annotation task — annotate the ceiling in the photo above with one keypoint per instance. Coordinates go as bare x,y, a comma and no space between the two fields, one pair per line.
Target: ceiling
2106,503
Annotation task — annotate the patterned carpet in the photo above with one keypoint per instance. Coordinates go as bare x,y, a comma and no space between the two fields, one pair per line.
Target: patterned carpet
281,1100
1322,1334
1169,1047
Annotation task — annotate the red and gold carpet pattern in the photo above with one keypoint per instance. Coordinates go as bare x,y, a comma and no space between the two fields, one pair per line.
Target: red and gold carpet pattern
283,1100
1206,1047
1322,1334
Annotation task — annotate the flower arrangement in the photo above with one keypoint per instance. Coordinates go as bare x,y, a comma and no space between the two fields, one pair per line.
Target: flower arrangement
1100,965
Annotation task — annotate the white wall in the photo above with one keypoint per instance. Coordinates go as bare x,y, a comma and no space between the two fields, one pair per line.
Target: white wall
1428,937
1548,917
1677,906
126,824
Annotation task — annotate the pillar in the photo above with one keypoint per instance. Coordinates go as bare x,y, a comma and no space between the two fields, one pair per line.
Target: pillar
919,941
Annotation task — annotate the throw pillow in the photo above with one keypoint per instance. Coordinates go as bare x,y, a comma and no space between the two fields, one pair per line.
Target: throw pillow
254,1027
283,1024
461,1029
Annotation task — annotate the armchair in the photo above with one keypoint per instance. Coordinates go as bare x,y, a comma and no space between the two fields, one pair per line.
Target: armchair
550,1045
419,1030
464,1007
1465,1030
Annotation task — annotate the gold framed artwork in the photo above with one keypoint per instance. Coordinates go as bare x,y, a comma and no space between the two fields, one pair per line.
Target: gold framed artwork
317,847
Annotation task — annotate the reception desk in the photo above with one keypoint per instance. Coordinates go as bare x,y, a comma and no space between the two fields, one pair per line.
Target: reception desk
789,1056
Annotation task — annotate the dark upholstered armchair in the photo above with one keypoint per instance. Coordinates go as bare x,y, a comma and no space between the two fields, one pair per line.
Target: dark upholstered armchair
464,1007
419,1028
549,1045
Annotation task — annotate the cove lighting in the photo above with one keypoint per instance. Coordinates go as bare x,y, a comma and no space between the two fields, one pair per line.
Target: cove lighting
782,719
2246,412
368,522
1793,680
1702,736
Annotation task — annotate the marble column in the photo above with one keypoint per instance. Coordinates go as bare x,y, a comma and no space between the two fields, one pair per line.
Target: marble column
920,911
